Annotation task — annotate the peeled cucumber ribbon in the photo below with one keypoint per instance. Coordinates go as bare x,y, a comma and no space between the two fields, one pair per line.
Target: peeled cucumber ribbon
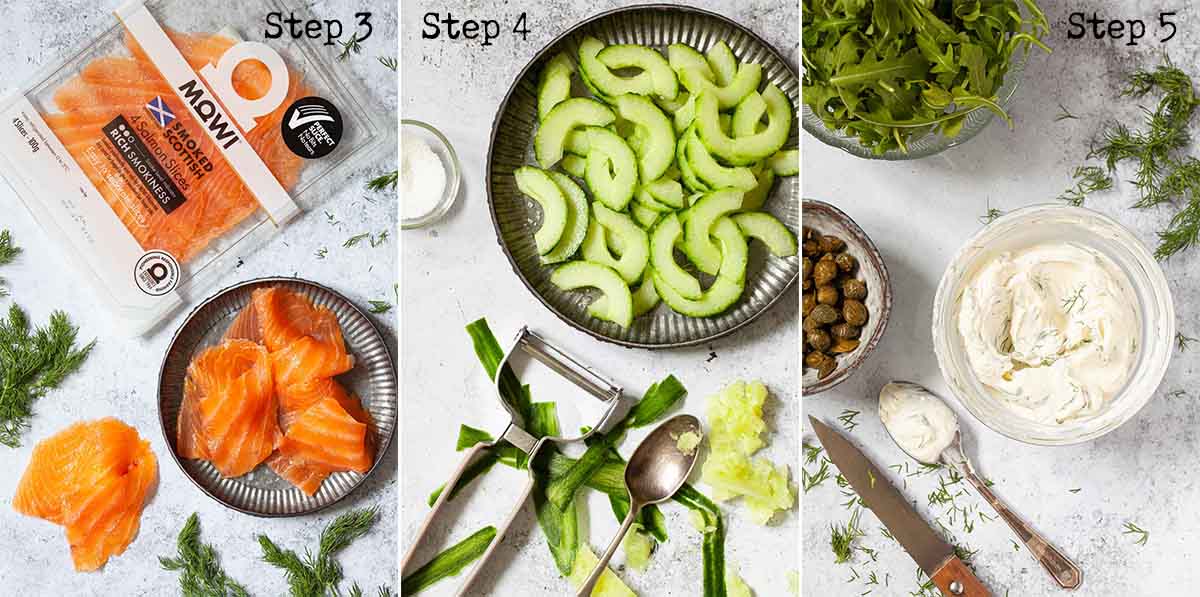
601,468
448,563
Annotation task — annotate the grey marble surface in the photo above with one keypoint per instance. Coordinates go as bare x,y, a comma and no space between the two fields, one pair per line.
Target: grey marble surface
1081,496
454,272
120,377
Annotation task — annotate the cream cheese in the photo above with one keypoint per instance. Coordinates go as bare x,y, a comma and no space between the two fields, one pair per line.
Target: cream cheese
920,422
1051,331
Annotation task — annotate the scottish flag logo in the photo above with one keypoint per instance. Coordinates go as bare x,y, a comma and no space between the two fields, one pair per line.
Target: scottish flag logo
159,110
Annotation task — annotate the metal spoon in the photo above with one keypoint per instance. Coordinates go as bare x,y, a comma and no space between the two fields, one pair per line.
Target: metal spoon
1060,567
657,469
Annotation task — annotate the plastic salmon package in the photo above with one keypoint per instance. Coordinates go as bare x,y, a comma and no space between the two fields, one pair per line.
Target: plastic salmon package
173,144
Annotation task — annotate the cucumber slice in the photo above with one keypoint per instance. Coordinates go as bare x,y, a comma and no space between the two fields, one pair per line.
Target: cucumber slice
567,116
680,56
673,105
685,115
686,173
595,245
646,200
723,63
554,85
602,81
577,219
579,274
614,188
615,246
741,151
666,84
574,165
729,284
537,185
700,220
748,115
667,192
785,162
765,227
662,258
746,81
644,216
577,143
656,149
726,123
755,197
645,298
713,174
634,242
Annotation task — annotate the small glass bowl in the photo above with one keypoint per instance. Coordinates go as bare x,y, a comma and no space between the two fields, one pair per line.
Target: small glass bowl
931,143
445,152
1054,222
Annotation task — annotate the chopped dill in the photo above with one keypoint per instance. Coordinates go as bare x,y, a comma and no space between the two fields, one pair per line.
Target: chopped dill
1182,341
380,307
1087,180
322,252
1076,490
389,62
847,419
379,239
1177,394
384,181
842,538
1064,114
990,215
330,218
354,241
1074,299
1141,536
811,480
350,46
811,452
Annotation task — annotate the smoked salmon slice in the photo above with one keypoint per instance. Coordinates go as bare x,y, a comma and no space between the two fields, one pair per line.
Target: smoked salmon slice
228,415
296,400
93,478
326,435
215,199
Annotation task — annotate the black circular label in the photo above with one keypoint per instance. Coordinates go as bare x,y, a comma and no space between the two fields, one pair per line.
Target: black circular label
312,127
156,273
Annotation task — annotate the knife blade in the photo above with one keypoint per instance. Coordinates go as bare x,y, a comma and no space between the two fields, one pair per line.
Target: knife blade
932,553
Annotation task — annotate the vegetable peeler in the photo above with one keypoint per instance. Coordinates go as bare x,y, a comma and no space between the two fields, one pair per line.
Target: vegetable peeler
537,348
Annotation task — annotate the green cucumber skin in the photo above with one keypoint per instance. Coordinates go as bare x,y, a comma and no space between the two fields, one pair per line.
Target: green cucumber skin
577,112
578,274
665,82
747,80
730,281
681,56
756,197
662,258
769,230
657,149
601,80
785,162
748,114
701,222
714,174
554,86
743,151
690,180
645,298
577,219
537,185
634,242
723,64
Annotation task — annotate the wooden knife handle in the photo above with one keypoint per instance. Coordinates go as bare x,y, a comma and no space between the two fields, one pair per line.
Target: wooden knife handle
956,580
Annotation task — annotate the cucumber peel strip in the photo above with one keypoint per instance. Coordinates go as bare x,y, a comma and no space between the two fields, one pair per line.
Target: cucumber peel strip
449,563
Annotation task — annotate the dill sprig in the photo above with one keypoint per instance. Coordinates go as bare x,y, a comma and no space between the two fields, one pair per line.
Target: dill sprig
322,252
8,250
380,307
319,574
990,215
33,362
811,480
379,239
1141,536
201,572
1087,179
353,241
842,538
847,419
811,452
384,181
1183,341
350,46
1064,114
389,62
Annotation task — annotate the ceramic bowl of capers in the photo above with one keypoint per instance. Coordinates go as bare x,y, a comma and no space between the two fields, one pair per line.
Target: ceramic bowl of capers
846,296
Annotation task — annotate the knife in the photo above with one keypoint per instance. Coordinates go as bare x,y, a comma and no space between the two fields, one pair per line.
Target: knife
927,548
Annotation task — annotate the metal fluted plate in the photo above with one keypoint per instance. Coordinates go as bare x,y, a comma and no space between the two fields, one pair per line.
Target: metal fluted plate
516,217
373,379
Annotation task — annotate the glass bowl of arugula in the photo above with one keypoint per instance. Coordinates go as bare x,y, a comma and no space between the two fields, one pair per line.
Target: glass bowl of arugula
910,81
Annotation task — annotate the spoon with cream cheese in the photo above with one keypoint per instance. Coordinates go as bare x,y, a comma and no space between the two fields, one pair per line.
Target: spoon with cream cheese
926,429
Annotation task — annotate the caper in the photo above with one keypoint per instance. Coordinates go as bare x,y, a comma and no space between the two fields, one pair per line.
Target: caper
814,359
832,244
853,288
824,314
819,339
812,248
843,345
855,312
806,265
827,295
809,302
845,330
810,322
807,284
845,262
824,272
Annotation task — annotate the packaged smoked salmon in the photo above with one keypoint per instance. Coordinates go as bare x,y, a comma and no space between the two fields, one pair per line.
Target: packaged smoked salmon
175,143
